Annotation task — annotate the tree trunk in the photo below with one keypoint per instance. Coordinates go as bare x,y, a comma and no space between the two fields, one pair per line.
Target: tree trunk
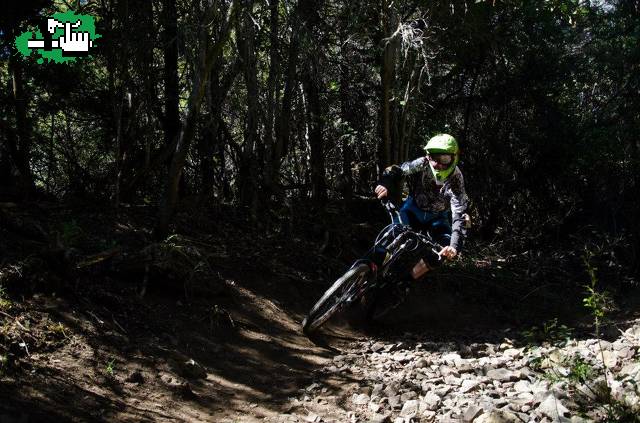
208,140
6,179
387,79
406,115
310,81
248,172
283,127
200,78
169,39
345,185
20,145
138,146
212,144
272,82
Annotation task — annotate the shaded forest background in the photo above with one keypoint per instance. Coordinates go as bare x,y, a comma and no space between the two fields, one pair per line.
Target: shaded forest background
285,107
185,194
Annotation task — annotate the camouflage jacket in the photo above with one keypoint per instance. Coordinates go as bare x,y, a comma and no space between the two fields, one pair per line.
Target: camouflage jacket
430,195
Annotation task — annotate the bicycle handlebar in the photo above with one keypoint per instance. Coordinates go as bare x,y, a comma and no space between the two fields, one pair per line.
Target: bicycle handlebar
392,209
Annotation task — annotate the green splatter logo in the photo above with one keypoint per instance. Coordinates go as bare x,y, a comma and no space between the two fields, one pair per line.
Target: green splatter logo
61,38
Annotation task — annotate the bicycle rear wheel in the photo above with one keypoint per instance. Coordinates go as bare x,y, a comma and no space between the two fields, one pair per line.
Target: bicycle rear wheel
334,299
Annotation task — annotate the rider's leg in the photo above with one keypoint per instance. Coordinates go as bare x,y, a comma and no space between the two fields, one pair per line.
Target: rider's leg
438,225
405,216
419,270
409,213
412,215
430,261
440,229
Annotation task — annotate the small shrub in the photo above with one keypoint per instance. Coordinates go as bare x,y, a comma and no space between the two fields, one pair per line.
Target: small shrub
110,369
581,371
599,303
550,332
57,330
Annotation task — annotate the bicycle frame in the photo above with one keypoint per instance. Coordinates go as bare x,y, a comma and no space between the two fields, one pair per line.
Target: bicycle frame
400,239
402,247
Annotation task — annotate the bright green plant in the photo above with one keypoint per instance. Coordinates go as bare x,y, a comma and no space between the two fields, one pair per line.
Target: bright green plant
581,371
597,302
110,368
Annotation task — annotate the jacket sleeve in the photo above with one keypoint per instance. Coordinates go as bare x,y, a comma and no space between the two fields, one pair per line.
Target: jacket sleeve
458,208
391,177
393,174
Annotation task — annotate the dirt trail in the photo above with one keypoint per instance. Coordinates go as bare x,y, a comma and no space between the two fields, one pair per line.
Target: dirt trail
83,345
239,356
96,351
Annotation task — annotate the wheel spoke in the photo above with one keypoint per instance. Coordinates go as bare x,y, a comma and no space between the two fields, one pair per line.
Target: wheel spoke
344,291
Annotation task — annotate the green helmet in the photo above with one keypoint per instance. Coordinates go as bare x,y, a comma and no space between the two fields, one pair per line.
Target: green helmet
445,145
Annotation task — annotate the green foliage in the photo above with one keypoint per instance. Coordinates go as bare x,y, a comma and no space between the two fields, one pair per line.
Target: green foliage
597,302
57,330
571,369
181,257
539,94
582,378
580,370
551,332
110,368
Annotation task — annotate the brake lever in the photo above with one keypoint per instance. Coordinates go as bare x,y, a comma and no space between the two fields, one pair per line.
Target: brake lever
438,253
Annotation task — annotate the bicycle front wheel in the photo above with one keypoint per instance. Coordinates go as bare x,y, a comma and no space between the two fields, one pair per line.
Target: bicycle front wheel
347,288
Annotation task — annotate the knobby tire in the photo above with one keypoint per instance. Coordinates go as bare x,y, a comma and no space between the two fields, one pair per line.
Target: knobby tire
333,299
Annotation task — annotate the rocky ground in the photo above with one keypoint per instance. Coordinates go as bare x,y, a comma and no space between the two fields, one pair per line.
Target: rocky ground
414,380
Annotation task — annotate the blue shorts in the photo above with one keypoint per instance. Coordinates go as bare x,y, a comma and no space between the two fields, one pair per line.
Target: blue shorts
437,224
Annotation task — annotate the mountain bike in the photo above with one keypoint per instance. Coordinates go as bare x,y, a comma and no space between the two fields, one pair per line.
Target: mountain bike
380,278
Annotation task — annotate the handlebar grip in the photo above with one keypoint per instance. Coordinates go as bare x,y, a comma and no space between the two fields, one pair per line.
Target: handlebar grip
388,204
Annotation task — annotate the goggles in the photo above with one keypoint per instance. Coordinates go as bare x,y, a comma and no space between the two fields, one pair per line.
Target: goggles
441,158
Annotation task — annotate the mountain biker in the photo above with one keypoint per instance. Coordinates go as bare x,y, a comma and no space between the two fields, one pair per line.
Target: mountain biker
435,181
